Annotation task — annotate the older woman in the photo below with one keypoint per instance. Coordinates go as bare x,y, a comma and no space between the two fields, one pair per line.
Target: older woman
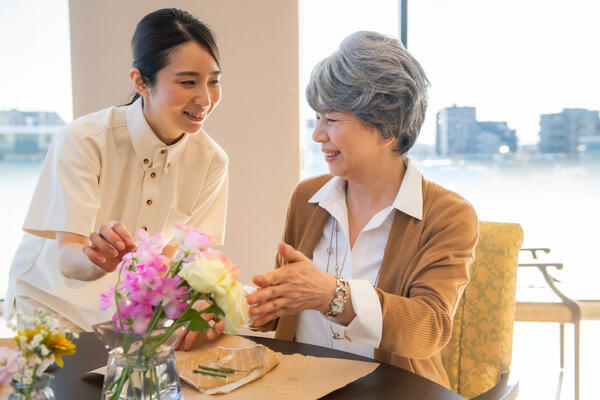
375,257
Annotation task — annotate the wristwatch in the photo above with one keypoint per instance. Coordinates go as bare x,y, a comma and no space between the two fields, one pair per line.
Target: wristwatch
338,303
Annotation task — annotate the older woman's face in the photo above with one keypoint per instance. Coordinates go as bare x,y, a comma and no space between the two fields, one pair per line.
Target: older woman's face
351,147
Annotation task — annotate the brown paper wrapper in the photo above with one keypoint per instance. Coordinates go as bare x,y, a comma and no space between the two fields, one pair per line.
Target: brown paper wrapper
295,377
248,361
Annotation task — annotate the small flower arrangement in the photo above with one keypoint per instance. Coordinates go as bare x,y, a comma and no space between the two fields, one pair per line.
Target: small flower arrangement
39,344
155,296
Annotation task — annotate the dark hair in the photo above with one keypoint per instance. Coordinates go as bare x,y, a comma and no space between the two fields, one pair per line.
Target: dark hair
157,35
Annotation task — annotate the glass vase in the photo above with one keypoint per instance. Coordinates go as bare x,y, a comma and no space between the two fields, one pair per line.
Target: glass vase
139,366
38,390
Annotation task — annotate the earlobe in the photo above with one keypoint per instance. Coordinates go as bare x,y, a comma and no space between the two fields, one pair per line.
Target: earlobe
138,82
386,142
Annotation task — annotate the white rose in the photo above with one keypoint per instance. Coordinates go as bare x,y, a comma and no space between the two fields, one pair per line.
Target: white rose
207,275
235,306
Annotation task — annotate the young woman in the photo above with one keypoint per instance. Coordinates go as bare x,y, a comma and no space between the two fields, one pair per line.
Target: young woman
148,165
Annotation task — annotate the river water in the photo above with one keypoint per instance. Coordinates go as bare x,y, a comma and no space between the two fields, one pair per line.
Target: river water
556,201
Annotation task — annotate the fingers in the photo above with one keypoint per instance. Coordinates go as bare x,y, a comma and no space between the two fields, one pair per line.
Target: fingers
289,253
116,235
93,255
108,245
190,338
200,305
216,331
270,307
265,294
103,247
271,278
124,235
266,312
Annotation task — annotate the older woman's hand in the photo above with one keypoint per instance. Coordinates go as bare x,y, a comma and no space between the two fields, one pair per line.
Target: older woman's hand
297,286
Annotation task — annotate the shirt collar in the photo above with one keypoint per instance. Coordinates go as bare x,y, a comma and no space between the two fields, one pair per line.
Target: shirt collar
146,144
409,199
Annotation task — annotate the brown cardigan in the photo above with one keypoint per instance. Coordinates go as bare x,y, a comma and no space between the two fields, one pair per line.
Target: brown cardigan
424,271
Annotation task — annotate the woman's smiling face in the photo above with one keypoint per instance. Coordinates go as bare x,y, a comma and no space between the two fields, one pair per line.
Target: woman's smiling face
185,92
350,145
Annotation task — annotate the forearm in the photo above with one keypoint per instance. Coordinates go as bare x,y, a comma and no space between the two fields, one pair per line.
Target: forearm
74,264
415,327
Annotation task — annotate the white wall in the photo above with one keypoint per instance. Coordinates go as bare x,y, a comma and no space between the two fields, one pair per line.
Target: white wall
256,122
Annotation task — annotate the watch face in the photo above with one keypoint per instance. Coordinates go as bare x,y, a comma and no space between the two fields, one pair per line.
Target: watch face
337,306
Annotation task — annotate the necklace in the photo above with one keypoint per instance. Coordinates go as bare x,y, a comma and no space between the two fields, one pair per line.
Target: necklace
330,250
338,269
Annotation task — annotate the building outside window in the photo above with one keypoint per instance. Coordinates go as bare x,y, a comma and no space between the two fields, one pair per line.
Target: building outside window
35,101
512,123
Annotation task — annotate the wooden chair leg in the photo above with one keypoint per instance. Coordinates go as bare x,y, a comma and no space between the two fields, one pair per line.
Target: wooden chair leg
562,346
576,351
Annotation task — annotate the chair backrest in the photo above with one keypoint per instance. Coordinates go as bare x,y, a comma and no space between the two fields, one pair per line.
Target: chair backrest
480,348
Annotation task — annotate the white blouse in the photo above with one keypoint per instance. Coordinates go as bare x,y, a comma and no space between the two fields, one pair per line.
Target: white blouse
109,165
359,266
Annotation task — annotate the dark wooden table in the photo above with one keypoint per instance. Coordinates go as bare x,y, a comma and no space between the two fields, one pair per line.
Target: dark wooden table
385,382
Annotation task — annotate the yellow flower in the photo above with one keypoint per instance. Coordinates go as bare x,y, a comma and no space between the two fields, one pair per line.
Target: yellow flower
60,346
28,334
235,306
213,272
207,275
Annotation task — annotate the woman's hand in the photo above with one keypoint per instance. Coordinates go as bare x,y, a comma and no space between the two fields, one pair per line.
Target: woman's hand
108,245
297,286
188,338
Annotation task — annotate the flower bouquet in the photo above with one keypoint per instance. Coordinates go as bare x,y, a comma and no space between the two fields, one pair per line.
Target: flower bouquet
40,343
155,300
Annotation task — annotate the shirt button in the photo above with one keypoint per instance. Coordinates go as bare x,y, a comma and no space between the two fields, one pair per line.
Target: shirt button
149,202
153,175
163,151
168,165
146,161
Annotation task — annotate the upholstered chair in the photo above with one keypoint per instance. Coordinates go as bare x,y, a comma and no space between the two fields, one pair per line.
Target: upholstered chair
478,356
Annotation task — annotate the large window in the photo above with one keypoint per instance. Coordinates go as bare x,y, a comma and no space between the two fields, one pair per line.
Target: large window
513,119
323,25
512,123
35,100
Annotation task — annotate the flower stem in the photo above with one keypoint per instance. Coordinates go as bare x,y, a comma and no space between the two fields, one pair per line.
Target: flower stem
150,349
197,371
222,370
117,296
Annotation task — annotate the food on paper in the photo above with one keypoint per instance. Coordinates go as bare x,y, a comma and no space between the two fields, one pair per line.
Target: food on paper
223,368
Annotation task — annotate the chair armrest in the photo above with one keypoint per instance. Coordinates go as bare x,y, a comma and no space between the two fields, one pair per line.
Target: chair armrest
550,280
506,389
534,251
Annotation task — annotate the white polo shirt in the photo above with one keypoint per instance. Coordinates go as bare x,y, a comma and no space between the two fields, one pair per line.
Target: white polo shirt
359,266
110,165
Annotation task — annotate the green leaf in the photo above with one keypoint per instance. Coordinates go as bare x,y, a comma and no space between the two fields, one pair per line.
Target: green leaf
198,324
213,308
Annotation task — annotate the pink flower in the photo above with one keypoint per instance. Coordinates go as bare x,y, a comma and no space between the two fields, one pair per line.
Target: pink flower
191,241
107,299
148,247
135,315
9,364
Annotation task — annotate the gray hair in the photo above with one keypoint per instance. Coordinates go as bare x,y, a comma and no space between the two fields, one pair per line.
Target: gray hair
376,78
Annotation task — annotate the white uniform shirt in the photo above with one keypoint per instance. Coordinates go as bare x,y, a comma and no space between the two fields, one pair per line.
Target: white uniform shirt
110,165
360,268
